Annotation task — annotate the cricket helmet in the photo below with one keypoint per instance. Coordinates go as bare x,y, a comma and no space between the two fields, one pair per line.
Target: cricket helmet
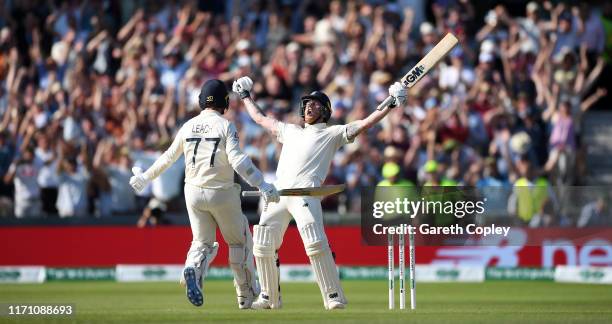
214,94
321,98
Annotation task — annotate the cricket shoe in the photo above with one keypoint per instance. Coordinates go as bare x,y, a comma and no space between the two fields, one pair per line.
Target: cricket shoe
263,302
193,283
334,304
247,295
245,302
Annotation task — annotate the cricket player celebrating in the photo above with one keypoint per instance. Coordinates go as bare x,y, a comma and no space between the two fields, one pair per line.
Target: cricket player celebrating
304,162
212,153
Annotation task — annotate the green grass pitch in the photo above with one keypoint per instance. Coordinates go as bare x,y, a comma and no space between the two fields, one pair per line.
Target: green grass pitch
490,302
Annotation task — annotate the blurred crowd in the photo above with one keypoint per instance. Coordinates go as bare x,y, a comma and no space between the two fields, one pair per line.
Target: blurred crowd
90,88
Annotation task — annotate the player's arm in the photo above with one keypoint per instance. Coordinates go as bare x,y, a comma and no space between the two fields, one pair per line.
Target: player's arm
242,86
239,161
166,159
243,165
398,92
141,179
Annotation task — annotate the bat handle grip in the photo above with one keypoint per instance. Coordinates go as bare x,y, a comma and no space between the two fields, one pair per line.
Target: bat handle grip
251,194
388,101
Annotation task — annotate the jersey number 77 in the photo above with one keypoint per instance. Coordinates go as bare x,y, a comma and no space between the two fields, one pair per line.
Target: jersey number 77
197,141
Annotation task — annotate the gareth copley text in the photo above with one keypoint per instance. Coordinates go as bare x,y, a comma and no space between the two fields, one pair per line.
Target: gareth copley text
456,229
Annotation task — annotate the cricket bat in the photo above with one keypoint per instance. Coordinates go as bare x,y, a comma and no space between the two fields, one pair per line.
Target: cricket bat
425,65
313,191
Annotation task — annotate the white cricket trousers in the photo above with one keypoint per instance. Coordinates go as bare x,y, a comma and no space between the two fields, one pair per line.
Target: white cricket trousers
212,208
305,210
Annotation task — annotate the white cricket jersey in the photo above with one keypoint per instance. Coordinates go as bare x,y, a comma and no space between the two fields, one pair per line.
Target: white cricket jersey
307,153
211,148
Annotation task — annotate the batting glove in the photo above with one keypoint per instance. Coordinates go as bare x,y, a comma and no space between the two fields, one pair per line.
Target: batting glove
269,193
242,86
138,181
399,93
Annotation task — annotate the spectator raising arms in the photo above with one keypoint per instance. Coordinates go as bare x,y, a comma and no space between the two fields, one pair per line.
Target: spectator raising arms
94,72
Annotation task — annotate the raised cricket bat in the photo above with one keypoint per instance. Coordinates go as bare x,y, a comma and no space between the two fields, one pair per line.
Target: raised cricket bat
426,64
313,191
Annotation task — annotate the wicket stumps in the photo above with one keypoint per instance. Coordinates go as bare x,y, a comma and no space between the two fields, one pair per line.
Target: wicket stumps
402,270
391,271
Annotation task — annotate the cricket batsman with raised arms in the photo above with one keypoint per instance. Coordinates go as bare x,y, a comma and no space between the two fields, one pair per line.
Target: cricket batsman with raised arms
212,154
304,162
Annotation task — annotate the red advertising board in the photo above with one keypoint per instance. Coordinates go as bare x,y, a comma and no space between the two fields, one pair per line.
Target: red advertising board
110,245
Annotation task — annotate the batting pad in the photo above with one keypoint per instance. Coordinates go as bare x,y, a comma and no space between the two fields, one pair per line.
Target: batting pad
241,262
322,262
267,266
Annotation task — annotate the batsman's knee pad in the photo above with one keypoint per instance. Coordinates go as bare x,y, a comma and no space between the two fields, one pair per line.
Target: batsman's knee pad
263,241
315,241
322,261
241,262
264,249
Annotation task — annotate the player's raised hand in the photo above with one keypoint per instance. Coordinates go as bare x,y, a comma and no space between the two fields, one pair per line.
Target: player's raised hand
399,93
269,193
138,181
242,86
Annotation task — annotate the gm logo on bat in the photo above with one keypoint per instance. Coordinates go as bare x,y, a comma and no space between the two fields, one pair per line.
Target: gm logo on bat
413,75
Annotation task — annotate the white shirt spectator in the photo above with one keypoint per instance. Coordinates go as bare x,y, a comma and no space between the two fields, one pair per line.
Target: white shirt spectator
530,30
451,76
71,129
47,175
72,193
26,185
41,120
101,63
193,95
27,191
168,184
122,195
